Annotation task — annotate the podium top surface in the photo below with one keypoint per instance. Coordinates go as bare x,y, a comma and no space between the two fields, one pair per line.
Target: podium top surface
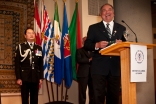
115,49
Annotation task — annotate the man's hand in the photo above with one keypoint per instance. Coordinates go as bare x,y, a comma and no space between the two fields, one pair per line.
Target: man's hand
19,82
118,41
40,82
101,44
90,59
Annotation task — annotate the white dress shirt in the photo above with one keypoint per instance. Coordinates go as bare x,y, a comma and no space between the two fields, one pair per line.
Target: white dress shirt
111,25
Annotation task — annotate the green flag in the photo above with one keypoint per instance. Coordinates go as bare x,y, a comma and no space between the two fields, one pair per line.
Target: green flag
74,33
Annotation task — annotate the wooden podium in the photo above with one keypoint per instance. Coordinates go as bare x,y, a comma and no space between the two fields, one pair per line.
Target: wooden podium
123,50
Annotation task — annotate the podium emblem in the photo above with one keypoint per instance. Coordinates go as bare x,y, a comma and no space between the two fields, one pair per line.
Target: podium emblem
139,56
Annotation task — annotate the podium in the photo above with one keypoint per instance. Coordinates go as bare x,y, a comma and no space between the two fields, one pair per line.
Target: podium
123,50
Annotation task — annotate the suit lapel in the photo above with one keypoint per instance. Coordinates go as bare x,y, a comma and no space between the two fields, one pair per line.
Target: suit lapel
103,29
114,33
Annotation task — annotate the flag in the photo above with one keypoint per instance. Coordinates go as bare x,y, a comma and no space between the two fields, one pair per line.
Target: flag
37,25
79,38
65,51
48,48
57,49
44,20
75,40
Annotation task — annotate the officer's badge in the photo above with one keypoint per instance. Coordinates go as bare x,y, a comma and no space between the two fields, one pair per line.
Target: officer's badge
38,53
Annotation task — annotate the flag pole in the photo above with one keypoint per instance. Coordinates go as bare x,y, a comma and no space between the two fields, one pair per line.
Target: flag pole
57,92
62,91
48,90
66,94
52,91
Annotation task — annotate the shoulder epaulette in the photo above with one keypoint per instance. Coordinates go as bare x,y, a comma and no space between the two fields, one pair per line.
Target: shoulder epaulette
22,43
37,45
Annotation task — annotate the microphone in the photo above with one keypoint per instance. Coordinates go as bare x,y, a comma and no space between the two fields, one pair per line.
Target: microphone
136,39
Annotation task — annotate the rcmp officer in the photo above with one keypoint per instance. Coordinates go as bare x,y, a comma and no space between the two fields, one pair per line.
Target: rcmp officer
29,68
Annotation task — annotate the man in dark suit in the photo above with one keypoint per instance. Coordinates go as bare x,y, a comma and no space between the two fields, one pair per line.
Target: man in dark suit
84,59
105,70
29,68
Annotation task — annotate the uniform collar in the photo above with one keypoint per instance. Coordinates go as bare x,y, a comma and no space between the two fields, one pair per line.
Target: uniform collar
30,43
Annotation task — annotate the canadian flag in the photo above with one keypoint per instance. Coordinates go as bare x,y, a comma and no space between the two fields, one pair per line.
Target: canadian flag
37,25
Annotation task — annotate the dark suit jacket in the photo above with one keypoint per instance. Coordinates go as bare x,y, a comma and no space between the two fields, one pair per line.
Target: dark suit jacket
82,57
102,64
26,71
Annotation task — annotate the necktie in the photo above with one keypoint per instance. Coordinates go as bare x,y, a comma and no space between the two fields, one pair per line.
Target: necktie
31,45
108,30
